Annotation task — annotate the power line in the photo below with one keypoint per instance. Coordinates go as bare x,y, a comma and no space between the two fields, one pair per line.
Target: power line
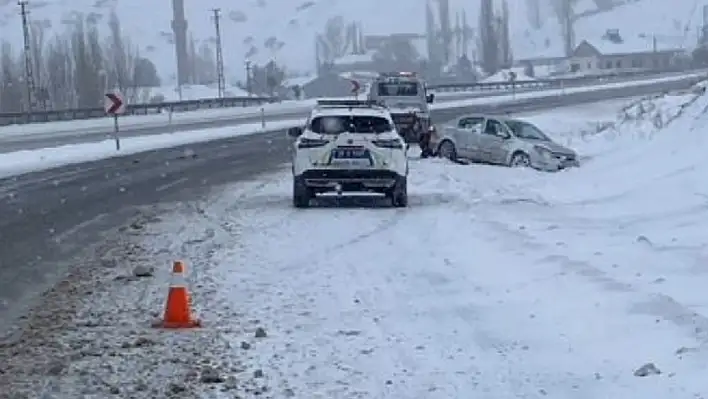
219,56
29,75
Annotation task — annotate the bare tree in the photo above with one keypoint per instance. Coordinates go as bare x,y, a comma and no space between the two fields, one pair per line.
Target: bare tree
11,92
120,58
488,43
192,60
333,42
96,78
445,30
397,54
89,74
205,66
564,10
76,67
38,42
503,38
60,74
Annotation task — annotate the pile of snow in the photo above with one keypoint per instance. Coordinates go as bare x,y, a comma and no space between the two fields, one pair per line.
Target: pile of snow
190,92
505,75
657,162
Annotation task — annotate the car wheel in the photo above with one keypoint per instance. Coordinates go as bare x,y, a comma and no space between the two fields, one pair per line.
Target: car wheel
520,160
399,193
301,193
446,149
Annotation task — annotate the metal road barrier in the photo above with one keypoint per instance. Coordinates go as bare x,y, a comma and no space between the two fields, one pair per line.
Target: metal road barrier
20,118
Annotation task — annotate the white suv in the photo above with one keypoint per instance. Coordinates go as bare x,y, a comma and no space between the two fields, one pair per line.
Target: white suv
349,146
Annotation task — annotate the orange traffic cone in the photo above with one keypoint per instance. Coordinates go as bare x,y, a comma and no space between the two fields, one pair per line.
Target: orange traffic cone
178,313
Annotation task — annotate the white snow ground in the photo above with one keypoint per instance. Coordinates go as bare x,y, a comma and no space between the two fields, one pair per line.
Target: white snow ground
495,283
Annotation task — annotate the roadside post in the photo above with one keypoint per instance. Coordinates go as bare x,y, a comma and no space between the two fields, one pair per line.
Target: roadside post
512,80
115,106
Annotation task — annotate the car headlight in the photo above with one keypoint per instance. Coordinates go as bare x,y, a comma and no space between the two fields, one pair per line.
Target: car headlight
543,152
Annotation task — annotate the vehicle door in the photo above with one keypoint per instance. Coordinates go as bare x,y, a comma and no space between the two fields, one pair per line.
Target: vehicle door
492,141
468,131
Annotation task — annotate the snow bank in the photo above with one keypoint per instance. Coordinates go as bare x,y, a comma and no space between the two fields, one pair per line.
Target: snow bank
638,212
504,76
188,92
19,162
653,148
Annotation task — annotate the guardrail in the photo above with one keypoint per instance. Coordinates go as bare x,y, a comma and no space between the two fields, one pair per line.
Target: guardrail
553,83
30,137
23,118
233,102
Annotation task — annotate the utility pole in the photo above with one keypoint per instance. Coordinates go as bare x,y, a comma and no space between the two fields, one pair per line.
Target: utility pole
29,76
567,22
249,88
219,56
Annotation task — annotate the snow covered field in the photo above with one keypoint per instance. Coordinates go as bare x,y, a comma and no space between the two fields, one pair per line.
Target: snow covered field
496,283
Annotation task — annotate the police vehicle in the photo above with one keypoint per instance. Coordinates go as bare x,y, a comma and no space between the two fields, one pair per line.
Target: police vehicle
349,146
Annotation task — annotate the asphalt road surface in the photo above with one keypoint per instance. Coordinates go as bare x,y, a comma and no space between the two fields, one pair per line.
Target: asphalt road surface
46,217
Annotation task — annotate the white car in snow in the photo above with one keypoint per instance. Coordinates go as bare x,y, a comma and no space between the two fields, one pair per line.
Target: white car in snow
501,141
349,146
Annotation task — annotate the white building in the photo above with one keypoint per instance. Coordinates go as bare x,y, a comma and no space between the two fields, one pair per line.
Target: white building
612,52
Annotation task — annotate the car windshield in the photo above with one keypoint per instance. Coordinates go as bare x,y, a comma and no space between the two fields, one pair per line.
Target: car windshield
398,88
525,130
337,124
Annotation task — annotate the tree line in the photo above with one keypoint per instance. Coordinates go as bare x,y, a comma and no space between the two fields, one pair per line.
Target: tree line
494,37
73,69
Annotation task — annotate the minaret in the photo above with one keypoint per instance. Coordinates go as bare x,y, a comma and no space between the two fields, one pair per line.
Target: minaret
179,28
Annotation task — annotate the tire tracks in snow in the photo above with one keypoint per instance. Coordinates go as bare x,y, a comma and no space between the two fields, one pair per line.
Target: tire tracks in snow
387,224
370,296
655,304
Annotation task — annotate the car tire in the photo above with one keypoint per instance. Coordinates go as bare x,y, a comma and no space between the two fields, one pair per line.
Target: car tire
399,193
520,160
446,149
301,193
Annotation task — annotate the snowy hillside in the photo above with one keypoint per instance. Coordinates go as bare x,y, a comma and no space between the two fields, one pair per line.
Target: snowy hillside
293,24
675,24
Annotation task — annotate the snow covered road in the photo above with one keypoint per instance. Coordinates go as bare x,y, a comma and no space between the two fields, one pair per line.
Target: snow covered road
496,283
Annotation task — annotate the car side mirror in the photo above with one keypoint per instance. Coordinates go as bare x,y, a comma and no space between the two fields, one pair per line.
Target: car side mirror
430,98
505,135
295,132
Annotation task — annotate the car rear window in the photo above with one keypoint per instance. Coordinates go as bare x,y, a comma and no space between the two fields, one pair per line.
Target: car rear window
336,124
397,88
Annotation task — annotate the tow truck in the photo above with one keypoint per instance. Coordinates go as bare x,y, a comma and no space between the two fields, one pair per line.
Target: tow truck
406,97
